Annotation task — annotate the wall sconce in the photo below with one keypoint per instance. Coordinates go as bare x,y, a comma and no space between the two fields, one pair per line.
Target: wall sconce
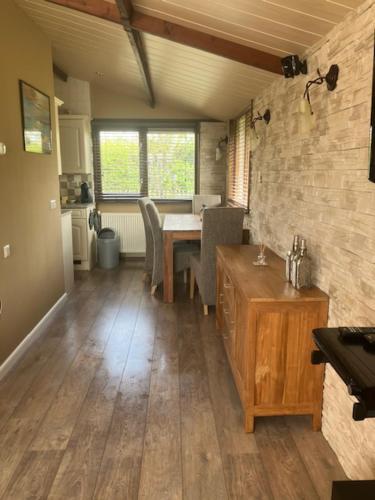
292,66
221,147
330,78
308,120
254,136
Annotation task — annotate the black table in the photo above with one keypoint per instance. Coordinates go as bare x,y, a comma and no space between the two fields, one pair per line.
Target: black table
354,364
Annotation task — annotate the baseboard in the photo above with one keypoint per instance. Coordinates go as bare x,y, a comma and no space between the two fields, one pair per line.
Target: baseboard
20,350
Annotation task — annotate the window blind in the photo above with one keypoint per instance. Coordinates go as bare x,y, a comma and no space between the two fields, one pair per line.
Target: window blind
171,164
144,160
239,161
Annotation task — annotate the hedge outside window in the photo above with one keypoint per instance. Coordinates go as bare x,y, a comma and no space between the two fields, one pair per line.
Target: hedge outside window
134,159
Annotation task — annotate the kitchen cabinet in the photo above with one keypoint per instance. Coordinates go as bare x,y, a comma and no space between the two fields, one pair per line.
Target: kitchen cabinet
79,232
84,239
75,143
266,327
66,231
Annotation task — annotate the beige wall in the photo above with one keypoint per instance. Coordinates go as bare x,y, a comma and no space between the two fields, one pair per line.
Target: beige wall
32,279
316,185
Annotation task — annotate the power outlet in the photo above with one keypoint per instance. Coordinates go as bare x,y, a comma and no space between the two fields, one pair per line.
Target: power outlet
6,251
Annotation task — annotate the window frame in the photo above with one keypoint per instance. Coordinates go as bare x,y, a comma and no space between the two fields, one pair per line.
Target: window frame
142,127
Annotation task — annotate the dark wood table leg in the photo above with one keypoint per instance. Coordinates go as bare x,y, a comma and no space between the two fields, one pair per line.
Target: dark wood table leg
168,267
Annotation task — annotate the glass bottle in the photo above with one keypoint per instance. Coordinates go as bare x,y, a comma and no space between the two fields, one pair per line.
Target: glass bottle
303,268
201,211
293,258
287,265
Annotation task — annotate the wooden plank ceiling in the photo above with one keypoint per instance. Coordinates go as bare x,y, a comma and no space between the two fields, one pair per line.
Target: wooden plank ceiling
205,84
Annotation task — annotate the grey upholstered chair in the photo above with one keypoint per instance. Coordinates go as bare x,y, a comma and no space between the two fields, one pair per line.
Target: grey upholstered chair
181,252
220,226
209,200
149,258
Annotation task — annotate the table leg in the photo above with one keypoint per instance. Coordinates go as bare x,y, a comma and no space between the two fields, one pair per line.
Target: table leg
168,267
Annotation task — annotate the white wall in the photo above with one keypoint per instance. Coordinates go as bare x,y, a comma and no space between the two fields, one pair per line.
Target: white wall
76,96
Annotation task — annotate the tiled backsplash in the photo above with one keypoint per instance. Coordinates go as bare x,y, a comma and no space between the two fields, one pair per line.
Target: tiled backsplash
70,184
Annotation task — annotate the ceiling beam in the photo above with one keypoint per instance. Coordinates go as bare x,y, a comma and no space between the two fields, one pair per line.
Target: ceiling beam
97,8
208,43
177,33
125,8
59,73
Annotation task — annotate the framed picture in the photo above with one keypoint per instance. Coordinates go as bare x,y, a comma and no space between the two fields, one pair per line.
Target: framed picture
36,120
372,127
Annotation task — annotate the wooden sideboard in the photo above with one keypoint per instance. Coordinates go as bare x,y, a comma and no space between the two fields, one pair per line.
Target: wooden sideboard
266,327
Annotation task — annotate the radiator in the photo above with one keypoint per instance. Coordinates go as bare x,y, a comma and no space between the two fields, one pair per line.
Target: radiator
130,229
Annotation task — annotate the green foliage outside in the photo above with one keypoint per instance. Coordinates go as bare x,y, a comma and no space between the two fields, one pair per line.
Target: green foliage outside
170,163
119,158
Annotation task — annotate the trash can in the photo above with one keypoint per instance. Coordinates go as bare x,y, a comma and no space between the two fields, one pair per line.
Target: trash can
108,248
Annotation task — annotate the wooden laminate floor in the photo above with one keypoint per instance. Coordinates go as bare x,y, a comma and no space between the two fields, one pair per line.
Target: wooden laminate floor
125,397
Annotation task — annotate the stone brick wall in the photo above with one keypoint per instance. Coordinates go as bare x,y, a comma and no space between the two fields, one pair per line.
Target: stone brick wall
316,185
212,175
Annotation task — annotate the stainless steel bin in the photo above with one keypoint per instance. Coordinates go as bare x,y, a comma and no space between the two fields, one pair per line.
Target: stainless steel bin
108,248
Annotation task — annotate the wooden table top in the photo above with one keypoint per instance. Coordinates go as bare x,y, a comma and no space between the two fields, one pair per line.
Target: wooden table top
182,222
263,283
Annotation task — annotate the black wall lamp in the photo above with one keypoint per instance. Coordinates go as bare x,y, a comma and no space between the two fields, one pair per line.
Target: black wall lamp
221,147
266,117
330,78
292,66
254,137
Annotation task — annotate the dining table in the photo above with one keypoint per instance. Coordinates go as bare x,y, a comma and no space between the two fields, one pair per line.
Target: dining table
177,227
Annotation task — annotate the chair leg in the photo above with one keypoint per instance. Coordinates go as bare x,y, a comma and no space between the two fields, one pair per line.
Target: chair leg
153,289
185,275
205,309
192,283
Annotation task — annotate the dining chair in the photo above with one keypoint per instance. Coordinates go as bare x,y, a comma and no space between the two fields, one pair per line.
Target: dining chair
149,257
181,252
220,226
209,200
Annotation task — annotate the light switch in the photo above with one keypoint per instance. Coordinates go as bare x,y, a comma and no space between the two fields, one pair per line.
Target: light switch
52,204
3,149
6,251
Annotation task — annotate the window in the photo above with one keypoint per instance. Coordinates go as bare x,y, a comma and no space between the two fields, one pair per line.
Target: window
119,161
156,160
239,161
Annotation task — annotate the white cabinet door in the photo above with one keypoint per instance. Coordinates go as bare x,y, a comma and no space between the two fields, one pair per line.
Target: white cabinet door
75,141
66,228
80,243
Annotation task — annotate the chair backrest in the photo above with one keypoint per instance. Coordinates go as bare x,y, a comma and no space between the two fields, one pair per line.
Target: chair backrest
156,230
220,226
142,202
210,200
